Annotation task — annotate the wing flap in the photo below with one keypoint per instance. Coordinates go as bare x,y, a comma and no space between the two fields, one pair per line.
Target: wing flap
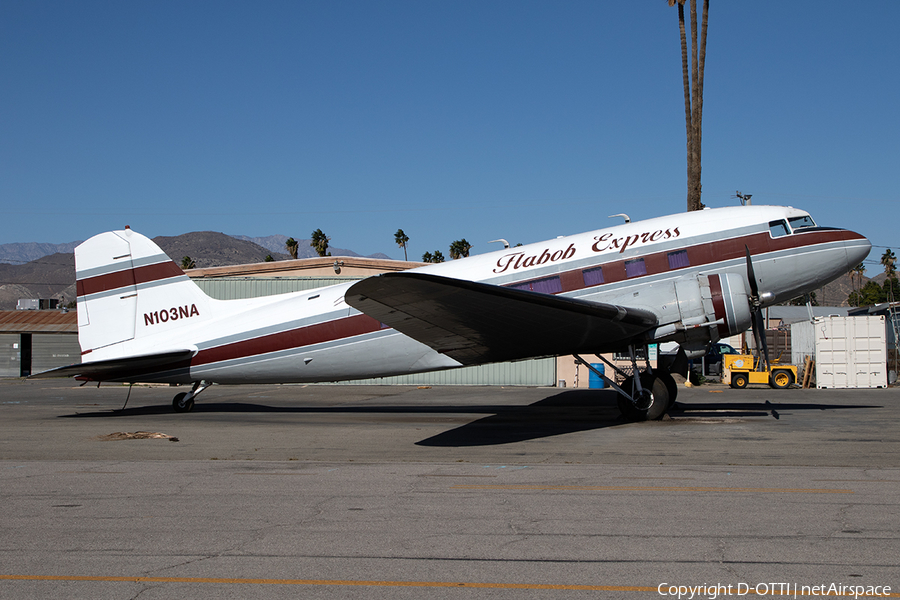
130,368
478,323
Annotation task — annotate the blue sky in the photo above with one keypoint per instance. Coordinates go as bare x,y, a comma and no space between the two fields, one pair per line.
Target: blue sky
523,120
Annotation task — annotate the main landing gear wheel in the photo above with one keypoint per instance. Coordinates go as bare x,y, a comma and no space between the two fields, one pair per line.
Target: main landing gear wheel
183,402
782,379
628,410
652,403
739,381
671,386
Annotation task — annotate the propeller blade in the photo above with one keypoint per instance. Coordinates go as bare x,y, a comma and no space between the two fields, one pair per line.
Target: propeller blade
760,336
755,326
751,276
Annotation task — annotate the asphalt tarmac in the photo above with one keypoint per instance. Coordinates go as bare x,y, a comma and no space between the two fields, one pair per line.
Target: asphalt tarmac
445,492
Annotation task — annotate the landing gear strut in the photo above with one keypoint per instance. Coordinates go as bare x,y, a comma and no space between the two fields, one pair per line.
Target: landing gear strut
184,402
645,397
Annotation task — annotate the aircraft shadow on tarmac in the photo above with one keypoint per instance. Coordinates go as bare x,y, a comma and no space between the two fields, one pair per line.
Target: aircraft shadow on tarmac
754,409
585,410
565,412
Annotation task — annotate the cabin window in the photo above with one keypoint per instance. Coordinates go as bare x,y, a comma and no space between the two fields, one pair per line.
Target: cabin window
635,268
778,228
801,222
593,276
548,285
678,260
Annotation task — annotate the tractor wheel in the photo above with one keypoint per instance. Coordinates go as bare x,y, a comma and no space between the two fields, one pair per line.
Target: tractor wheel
782,379
739,380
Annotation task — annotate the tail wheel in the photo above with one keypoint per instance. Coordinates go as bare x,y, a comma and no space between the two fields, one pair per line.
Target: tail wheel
183,403
782,379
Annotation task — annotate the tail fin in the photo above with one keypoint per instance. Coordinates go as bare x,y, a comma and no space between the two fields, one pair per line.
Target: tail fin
128,289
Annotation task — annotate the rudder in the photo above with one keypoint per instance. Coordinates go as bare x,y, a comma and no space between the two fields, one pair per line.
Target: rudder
129,288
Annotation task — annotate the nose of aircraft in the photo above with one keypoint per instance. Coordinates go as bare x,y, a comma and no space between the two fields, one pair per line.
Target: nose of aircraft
857,247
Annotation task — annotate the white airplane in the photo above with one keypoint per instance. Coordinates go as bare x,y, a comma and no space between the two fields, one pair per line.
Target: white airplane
692,278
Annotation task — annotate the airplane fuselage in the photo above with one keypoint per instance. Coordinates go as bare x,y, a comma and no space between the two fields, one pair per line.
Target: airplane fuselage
316,336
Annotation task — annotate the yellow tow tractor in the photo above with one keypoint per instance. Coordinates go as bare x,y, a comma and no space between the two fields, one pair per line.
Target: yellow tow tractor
740,370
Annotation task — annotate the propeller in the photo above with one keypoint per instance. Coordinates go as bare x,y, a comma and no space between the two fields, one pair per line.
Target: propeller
756,308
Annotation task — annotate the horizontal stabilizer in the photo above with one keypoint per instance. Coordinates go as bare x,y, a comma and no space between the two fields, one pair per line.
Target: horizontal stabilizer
479,323
128,369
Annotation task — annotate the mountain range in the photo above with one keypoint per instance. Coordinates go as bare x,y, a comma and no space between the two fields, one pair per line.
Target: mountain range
21,253
18,254
48,270
275,243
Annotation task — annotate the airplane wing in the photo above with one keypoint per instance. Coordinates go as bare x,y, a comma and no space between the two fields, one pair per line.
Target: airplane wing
477,323
128,369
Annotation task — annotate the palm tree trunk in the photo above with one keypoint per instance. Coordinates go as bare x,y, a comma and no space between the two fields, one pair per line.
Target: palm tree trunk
703,52
687,103
693,97
695,91
697,120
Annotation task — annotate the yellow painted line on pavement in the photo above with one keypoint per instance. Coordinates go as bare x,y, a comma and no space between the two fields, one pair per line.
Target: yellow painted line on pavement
409,584
335,582
634,488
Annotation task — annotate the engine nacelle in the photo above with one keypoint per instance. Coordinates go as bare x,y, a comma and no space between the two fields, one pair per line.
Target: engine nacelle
706,308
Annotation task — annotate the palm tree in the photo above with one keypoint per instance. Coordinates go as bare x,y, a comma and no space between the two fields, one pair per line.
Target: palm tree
401,239
292,246
320,242
187,263
859,270
889,259
460,249
693,95
437,257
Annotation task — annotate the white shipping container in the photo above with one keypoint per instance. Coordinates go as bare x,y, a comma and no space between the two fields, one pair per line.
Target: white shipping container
28,304
851,352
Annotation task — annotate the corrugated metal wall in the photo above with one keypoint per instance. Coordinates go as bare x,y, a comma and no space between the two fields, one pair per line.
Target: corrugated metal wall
538,372
51,350
48,351
892,326
233,288
9,355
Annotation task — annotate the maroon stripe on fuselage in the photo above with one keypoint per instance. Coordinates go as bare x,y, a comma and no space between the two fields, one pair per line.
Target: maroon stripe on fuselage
703,254
127,277
294,338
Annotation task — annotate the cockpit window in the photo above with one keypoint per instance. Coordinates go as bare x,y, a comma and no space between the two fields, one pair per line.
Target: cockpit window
778,228
801,222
